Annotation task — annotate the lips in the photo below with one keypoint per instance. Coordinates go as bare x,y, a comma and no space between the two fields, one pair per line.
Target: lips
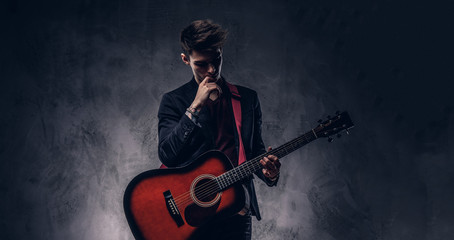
212,78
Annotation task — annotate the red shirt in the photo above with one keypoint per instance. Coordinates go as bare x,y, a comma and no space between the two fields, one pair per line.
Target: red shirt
224,127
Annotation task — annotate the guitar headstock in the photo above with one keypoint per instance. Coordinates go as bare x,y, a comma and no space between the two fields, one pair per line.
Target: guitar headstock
334,125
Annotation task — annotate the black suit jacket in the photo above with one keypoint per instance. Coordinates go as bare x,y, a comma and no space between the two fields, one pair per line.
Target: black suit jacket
181,141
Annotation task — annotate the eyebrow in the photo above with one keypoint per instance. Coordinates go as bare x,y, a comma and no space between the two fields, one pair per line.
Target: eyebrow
207,61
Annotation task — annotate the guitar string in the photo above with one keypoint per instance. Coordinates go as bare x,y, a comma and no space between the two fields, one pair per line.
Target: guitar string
247,166
210,188
214,187
224,180
252,163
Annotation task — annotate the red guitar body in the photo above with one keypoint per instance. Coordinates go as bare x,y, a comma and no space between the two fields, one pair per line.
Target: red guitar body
162,203
174,203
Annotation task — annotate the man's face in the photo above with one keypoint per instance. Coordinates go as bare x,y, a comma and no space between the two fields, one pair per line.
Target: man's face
205,64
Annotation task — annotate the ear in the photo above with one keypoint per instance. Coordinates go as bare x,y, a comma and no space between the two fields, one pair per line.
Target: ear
185,59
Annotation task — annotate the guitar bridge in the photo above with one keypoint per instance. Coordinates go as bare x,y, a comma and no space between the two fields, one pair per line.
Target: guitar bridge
173,209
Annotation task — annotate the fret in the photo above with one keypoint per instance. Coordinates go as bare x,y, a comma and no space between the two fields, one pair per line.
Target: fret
241,172
218,183
237,174
223,181
330,127
305,137
249,167
221,184
286,152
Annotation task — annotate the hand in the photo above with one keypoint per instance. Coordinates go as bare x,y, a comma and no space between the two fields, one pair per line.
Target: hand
271,166
206,90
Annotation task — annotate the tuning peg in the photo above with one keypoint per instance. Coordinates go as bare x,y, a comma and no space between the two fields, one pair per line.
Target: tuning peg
330,139
347,132
339,135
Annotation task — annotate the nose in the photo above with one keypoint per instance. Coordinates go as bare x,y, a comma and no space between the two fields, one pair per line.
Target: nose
211,68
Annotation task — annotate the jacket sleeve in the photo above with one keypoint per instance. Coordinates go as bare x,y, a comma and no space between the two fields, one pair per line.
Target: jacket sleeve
258,147
175,130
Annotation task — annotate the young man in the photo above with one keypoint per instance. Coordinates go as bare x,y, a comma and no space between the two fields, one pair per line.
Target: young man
198,117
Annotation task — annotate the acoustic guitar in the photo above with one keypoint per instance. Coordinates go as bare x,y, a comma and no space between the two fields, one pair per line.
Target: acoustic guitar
173,203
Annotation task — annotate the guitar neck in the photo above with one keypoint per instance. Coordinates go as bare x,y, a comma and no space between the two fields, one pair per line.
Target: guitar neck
253,165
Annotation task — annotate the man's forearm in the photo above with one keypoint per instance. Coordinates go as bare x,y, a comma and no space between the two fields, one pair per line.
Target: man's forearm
174,137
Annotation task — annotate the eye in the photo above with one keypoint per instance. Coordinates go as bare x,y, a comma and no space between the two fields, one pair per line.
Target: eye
201,64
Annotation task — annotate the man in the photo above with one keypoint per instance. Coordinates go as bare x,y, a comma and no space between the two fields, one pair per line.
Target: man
198,117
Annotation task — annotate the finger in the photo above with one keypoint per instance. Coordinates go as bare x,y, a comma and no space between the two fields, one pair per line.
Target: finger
269,148
215,89
270,165
219,89
270,169
262,161
277,163
212,85
268,173
265,163
205,81
275,160
210,79
265,172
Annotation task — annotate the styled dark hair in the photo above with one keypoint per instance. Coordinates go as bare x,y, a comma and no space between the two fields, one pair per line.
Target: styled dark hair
202,35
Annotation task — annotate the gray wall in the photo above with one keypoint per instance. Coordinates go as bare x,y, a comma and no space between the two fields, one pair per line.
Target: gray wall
82,81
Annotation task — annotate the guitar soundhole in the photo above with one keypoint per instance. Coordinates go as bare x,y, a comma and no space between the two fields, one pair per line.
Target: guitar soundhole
204,191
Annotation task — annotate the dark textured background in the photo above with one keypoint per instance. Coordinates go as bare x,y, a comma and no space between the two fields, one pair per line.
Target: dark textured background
81,82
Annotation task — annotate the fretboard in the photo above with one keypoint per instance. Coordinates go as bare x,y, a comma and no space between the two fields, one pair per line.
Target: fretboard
253,165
